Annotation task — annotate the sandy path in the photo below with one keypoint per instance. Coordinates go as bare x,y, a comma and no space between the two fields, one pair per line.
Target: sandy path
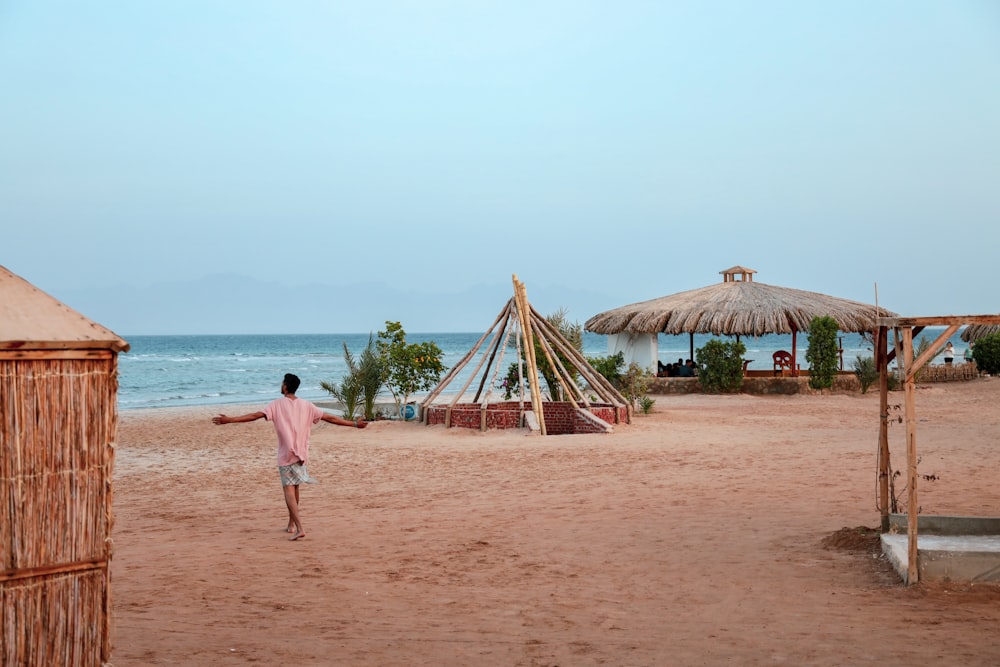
694,536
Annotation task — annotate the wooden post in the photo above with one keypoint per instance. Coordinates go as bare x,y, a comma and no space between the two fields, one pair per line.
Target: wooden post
795,358
524,316
884,469
912,575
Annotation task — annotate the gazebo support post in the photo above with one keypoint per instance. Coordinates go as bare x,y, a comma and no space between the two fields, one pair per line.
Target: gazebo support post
795,358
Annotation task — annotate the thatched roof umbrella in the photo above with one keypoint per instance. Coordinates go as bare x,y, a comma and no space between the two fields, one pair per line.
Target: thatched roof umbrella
974,332
737,306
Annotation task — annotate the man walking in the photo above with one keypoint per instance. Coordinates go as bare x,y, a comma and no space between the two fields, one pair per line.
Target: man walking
293,418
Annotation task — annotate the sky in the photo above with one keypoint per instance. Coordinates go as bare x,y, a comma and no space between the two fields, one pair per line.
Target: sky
324,167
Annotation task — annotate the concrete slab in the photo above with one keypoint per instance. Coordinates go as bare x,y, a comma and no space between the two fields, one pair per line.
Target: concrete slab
948,556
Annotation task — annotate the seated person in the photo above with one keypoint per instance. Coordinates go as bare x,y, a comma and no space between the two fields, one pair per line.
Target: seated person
685,371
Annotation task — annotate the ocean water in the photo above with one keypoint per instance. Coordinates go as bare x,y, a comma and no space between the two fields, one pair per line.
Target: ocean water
174,371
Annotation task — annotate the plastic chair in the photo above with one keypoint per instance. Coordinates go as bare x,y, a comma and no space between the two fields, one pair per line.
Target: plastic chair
782,362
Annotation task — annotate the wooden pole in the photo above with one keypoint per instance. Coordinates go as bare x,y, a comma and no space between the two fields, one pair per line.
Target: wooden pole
912,575
524,316
461,364
884,469
795,359
557,367
498,342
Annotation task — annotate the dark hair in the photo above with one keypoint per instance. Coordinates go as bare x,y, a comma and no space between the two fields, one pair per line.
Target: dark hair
292,383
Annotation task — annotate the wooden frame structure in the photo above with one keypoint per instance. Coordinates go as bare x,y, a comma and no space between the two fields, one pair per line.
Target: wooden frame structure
58,424
520,319
904,330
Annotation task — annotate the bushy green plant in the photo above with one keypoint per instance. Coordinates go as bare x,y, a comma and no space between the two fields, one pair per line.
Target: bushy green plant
986,354
646,404
720,366
610,367
407,367
866,372
823,351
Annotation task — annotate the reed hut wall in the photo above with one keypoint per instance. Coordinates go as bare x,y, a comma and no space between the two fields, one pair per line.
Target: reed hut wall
58,422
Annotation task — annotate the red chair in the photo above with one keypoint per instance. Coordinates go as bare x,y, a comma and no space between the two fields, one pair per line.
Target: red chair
782,362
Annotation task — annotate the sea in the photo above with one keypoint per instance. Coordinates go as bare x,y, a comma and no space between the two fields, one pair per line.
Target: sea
194,370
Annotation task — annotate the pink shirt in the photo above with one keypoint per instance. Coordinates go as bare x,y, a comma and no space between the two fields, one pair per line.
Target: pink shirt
293,419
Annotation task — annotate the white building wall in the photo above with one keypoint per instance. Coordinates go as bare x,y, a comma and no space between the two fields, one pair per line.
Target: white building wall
643,349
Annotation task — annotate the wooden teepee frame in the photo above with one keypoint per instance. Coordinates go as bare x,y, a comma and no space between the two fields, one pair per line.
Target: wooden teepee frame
520,319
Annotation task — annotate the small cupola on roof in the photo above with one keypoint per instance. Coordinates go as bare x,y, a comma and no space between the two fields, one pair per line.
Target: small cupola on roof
745,275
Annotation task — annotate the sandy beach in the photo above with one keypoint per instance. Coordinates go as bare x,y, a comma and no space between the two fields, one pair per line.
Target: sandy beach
719,530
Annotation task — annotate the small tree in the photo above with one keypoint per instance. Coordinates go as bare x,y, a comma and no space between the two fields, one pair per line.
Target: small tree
407,368
573,333
720,366
371,375
635,383
349,390
822,352
986,354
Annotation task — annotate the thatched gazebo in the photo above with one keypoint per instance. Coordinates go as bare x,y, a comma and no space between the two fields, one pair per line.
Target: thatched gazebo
58,423
974,332
737,306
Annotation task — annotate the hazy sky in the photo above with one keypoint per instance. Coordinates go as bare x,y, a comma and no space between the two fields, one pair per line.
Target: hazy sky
246,166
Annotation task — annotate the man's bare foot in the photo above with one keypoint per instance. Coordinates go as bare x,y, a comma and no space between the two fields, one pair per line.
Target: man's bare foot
297,536
290,529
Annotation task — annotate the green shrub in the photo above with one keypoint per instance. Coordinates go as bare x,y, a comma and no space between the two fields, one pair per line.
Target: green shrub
822,354
646,405
610,367
986,354
866,372
720,366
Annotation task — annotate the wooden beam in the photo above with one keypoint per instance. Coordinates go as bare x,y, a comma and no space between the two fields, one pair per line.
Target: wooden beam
937,321
930,352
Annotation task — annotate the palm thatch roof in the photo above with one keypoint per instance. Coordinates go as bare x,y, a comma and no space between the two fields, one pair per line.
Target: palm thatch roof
974,332
736,307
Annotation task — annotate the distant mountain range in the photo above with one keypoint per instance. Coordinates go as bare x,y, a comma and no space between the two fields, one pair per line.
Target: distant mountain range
232,304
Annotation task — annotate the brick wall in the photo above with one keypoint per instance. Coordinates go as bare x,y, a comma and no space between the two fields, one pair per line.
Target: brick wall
560,418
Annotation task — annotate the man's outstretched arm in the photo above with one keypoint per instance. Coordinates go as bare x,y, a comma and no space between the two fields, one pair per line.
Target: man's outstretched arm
249,417
333,419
